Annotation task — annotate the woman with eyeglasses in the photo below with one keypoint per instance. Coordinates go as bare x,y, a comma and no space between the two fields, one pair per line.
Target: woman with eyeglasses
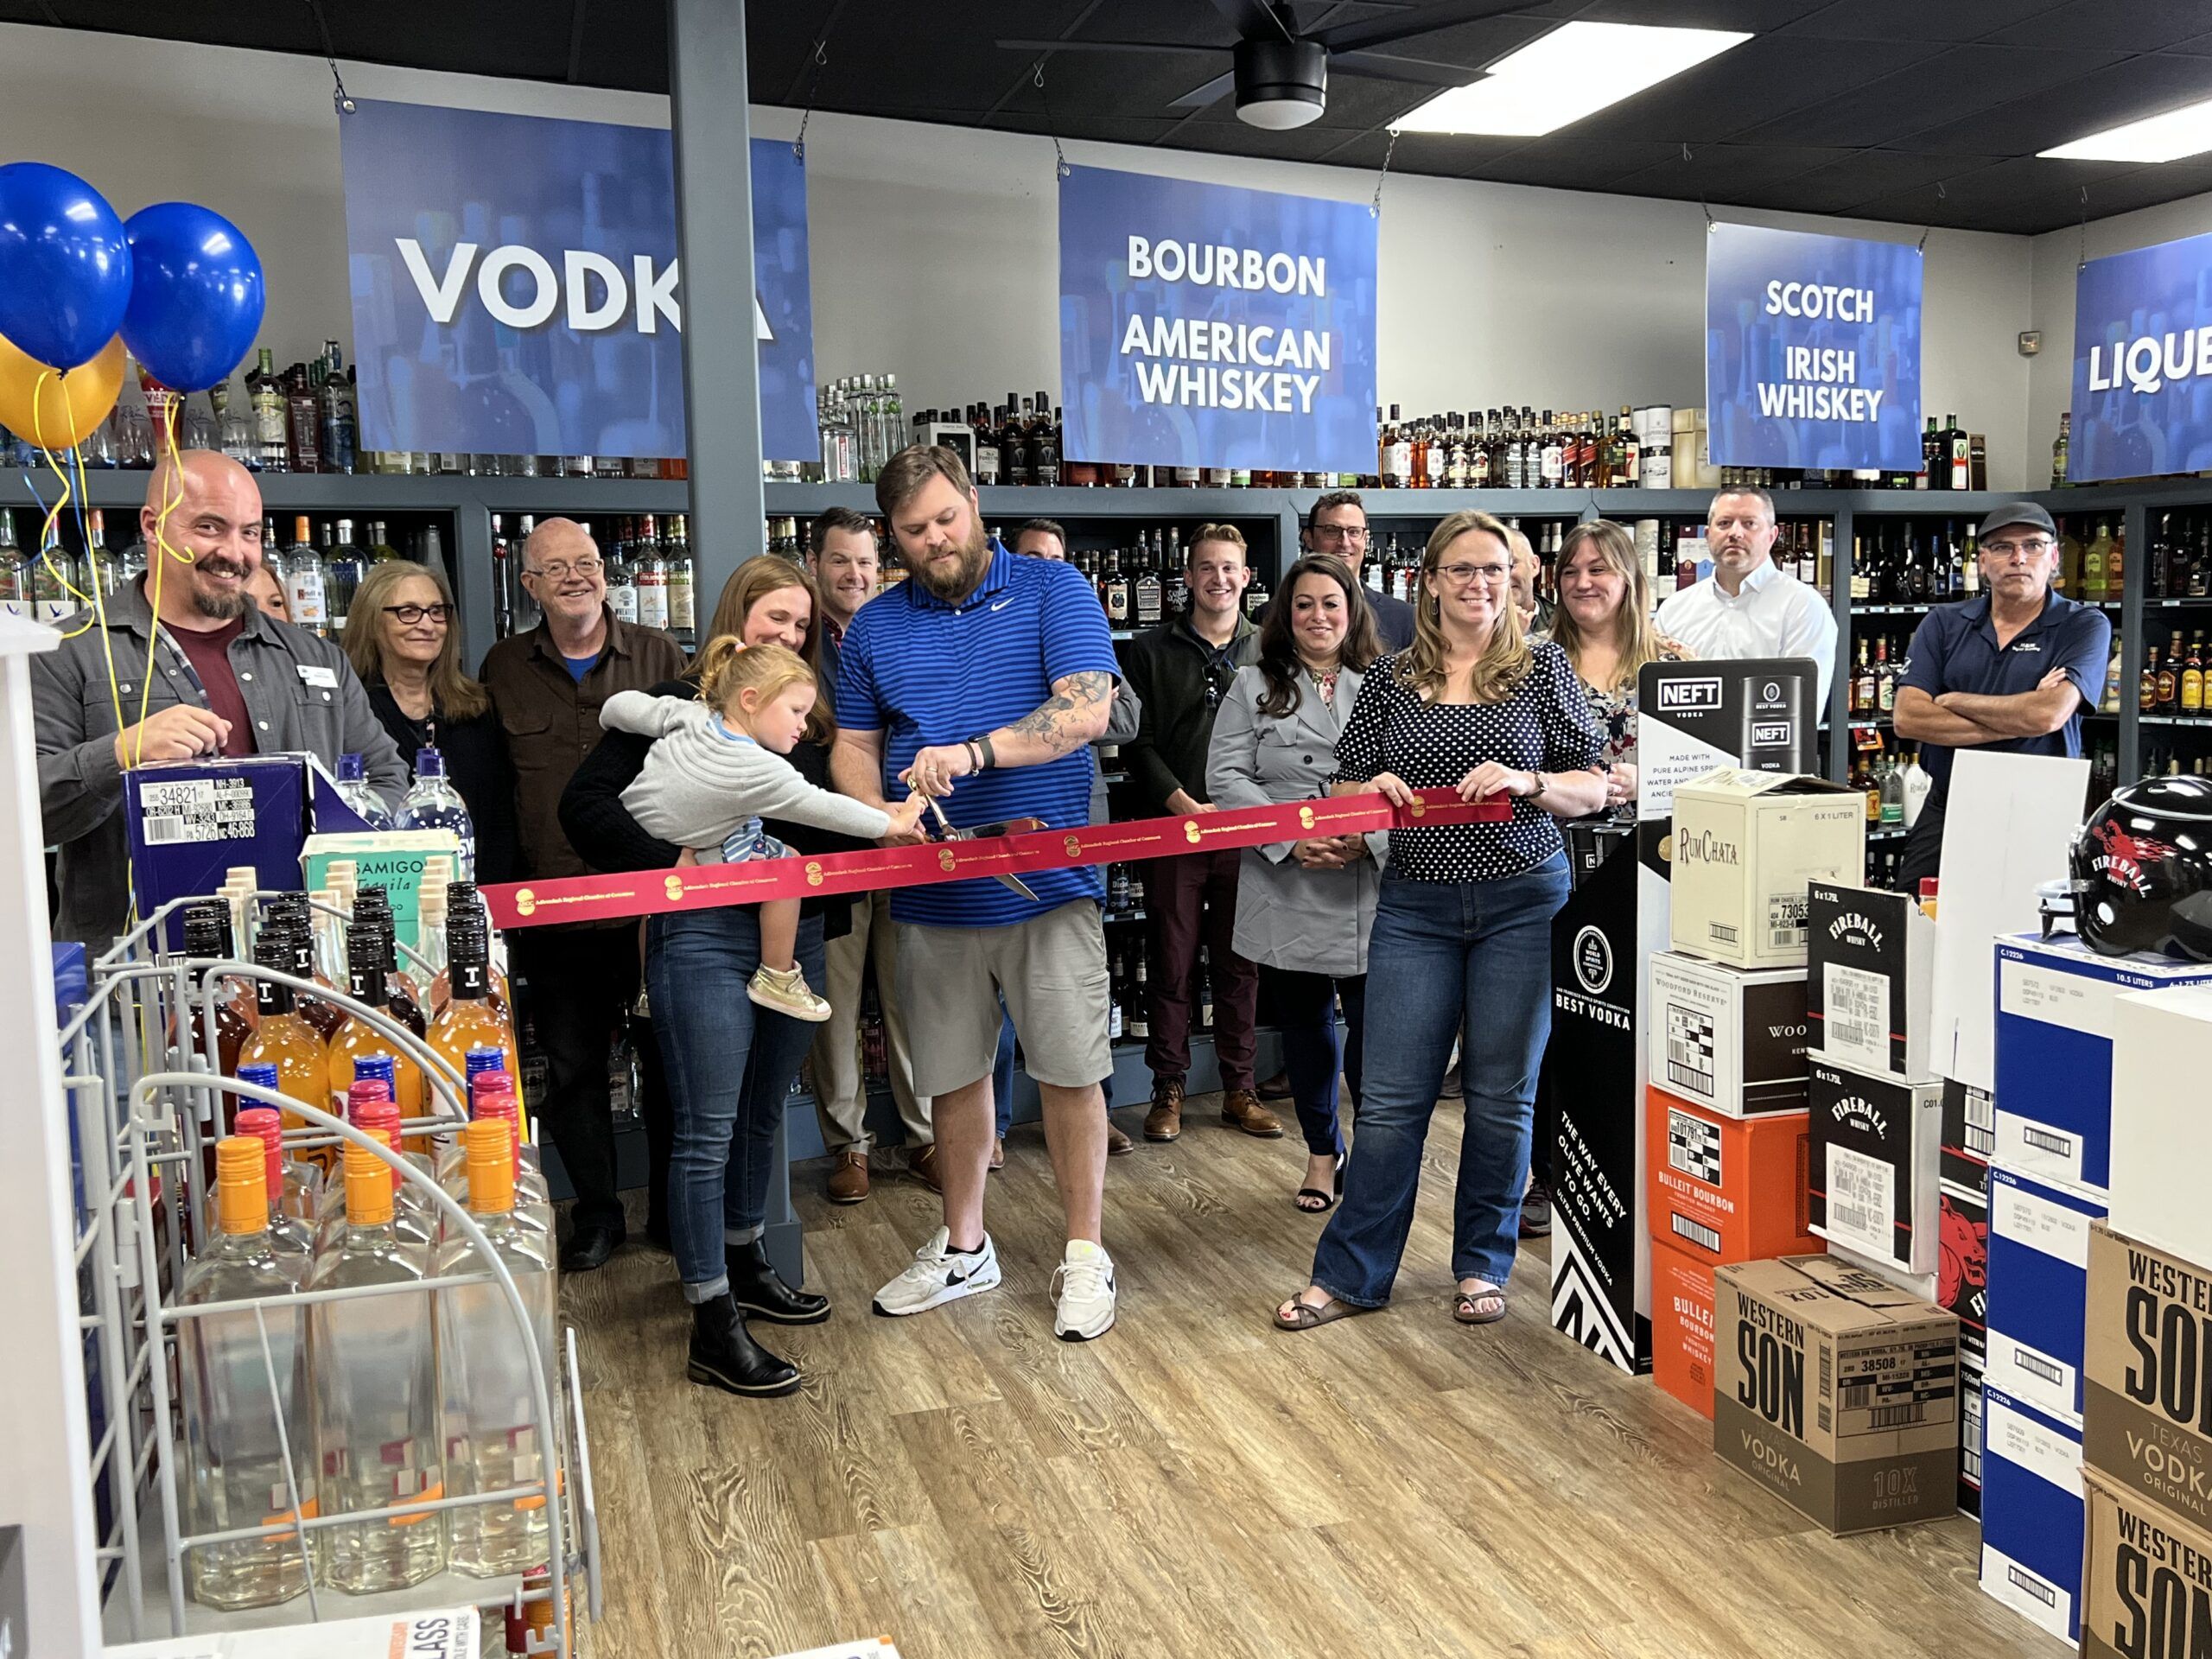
1604,625
404,643
1462,935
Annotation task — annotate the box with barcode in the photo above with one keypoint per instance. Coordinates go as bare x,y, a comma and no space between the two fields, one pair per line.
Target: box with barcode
1874,1164
2031,1513
1869,979
2146,1577
190,823
1836,1392
1731,1039
1969,1121
1725,1189
1970,1404
1682,1325
2039,1289
2161,1038
2057,1004
1744,847
2147,1397
1963,1247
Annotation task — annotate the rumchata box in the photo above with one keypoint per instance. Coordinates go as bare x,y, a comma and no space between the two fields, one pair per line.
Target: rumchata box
1836,1392
2146,1402
1875,1163
1745,845
2146,1579
1870,979
1731,1039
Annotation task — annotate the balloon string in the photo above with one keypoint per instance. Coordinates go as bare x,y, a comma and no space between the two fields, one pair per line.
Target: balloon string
49,537
172,497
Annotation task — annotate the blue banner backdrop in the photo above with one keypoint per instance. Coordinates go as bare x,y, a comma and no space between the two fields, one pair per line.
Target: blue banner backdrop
2143,363
516,288
1206,326
1812,351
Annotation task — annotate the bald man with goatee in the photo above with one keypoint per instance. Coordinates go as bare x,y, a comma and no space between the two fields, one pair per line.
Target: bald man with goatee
217,676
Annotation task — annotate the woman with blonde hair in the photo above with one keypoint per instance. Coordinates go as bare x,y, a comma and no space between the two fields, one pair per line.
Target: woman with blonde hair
1462,935
1604,625
404,640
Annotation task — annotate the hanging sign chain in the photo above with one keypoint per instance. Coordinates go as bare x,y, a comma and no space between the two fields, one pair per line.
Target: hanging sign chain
1375,207
1060,155
339,97
813,86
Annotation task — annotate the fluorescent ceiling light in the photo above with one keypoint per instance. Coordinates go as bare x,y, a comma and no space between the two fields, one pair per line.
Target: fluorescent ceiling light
2165,137
1576,70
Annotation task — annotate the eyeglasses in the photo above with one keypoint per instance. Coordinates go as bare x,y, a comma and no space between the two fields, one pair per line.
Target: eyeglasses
1340,532
2034,548
409,615
560,569
1460,574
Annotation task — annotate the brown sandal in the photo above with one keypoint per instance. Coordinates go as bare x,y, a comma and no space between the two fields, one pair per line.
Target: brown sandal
1467,1304
1305,1316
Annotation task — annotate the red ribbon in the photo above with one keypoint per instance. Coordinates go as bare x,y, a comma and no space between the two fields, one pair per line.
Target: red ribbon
706,886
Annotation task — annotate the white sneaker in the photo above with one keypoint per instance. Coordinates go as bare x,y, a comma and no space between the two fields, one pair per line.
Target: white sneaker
938,1275
1084,1281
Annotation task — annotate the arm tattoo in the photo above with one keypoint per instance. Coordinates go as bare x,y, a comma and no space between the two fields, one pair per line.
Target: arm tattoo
1048,722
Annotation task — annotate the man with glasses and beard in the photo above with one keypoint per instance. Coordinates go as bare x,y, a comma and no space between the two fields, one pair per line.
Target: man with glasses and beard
1338,526
215,675
980,682
2012,671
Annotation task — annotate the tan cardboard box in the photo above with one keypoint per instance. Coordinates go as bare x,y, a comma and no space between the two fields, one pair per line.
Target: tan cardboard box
1743,848
2147,1579
1836,1391
2147,1376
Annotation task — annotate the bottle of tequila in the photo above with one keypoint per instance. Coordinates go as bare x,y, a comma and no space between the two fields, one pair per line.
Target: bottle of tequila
470,1020
376,1399
245,1403
282,1040
490,1422
295,1189
357,1040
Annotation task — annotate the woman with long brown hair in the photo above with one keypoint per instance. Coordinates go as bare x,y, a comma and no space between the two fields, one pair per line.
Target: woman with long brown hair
1604,624
404,644
1462,935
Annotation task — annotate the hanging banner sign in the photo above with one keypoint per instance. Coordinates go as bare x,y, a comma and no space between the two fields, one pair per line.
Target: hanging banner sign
515,287
1812,351
2143,364
1203,325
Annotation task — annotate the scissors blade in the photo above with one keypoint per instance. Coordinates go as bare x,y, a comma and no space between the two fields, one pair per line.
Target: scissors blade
1011,883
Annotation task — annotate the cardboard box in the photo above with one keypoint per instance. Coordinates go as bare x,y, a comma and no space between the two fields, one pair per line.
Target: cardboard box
2146,1579
1682,1325
447,1633
1836,1393
1963,1250
1922,1286
390,859
1874,1165
1969,1436
188,821
1744,845
2147,1397
1870,978
1725,1189
2038,1290
2058,1001
1969,1120
1731,1039
2031,1514
2161,1067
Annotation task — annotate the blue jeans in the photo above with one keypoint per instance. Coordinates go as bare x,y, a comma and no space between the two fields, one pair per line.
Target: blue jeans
1444,954
730,1065
1305,1008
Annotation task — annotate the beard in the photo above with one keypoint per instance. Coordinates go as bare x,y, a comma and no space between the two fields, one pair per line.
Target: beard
958,583
223,607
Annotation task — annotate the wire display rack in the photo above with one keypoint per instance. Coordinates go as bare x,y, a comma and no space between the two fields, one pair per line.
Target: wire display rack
145,1107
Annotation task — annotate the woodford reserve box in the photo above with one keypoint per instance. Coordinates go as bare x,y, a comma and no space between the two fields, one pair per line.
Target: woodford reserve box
1836,1392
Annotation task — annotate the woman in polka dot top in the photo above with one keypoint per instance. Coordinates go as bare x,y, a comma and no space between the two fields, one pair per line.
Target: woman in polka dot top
1462,934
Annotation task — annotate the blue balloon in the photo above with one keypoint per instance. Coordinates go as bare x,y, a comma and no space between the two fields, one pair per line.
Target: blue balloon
65,267
196,295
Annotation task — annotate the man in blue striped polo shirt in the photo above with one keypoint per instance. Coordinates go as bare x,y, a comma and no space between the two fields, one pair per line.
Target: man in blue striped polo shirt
982,680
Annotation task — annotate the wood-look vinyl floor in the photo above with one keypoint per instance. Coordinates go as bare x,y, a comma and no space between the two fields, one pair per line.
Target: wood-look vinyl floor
1195,1482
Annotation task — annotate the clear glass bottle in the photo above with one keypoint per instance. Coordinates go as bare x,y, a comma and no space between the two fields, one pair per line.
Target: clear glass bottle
435,803
343,567
491,1430
649,571
299,570
268,414
236,1425
295,1188
337,424
682,582
376,1396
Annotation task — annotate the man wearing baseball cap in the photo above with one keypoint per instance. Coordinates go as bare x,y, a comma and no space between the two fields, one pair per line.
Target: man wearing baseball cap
2013,670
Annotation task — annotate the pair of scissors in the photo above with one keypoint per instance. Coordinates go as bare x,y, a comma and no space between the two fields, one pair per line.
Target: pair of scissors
946,832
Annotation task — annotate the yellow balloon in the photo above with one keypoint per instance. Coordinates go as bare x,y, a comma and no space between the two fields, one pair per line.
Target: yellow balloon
53,409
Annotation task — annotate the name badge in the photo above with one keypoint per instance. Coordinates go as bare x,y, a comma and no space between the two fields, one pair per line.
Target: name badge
316,674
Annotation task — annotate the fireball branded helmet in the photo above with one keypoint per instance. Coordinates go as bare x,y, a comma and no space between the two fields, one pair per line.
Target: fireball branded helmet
2143,870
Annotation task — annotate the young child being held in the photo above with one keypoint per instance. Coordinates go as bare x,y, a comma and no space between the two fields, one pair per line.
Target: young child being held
716,768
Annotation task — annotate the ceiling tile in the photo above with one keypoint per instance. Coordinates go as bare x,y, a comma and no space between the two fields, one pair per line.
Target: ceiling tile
1874,174
1588,164
2100,26
2017,195
1910,20
1924,95
1729,94
1724,172
2098,99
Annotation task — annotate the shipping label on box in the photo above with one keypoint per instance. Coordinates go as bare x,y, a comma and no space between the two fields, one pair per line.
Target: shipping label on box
1745,846
2056,1005
188,823
1725,1189
2161,1068
1963,1250
2038,1290
1870,977
1682,1325
2031,1514
2146,1404
2146,1579
1969,1121
1836,1392
1875,1163
1729,1039
1970,1404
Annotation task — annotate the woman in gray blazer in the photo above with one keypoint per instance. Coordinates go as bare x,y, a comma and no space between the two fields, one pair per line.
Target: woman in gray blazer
1303,907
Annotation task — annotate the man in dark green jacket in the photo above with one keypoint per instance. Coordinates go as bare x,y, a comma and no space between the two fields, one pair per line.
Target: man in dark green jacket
1181,671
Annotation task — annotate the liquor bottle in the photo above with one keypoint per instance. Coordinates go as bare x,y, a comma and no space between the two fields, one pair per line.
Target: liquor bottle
56,585
1256,596
2192,675
1479,454
1893,783
2093,563
1550,457
2059,447
302,420
470,1021
354,790
268,414
494,1437
1014,458
1885,680
1917,784
356,1039
683,585
299,570
650,570
339,429
2146,689
1138,1019
1117,590
1398,454
2170,673
435,803
1932,475
890,419
343,567
318,953
207,939
1960,456
1862,682
293,1186
235,1432
1045,444
2116,565
621,582
1146,594
1870,785
282,1037
989,461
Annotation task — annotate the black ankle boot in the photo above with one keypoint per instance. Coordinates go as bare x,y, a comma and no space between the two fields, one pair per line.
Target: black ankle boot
724,1355
760,1290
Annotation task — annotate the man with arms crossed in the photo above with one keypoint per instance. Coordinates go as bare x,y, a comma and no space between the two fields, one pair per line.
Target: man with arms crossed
1749,606
980,681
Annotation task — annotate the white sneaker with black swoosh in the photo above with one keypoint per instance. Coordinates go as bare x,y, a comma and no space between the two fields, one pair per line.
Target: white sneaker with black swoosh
938,1274
1085,1282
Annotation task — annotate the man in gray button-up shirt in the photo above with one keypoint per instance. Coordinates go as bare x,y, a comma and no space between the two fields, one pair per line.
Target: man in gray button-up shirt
285,689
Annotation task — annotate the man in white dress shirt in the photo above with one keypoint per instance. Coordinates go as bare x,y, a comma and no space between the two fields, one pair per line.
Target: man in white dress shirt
1748,606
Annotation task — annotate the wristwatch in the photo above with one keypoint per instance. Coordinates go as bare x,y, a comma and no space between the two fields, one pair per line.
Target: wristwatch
979,748
1537,778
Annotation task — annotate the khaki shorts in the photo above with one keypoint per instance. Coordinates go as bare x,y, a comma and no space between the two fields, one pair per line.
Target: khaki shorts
1051,971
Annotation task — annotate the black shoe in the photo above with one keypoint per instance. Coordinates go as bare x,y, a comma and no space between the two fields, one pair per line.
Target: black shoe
761,1292
1276,1088
590,1245
1536,1211
724,1356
